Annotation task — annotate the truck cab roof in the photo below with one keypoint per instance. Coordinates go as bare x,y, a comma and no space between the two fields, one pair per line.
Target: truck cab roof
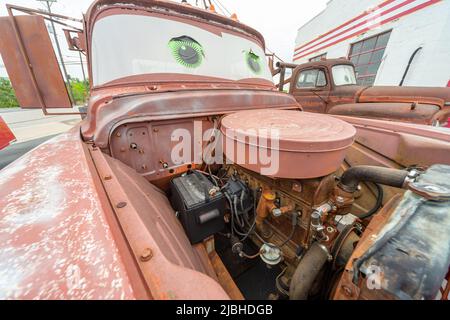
324,63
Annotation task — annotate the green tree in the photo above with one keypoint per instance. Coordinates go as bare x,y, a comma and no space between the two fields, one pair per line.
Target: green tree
80,90
7,96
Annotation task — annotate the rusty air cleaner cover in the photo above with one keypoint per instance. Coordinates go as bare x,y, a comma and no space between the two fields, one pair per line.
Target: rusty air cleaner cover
286,143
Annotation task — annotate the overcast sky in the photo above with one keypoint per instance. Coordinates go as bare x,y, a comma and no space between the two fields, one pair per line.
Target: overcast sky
278,20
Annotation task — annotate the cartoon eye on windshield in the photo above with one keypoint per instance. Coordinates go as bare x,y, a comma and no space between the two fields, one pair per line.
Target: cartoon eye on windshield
253,61
186,51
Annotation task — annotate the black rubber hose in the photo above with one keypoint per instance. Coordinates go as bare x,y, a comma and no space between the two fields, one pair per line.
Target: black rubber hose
352,177
307,271
294,225
377,206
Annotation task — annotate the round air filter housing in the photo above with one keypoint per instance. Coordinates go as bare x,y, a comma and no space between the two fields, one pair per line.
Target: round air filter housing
286,143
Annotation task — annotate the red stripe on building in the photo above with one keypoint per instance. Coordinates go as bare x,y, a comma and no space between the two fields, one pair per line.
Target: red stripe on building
404,13
400,5
365,13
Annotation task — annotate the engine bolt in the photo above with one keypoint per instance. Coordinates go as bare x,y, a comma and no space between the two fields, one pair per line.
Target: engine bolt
276,212
146,255
297,187
121,205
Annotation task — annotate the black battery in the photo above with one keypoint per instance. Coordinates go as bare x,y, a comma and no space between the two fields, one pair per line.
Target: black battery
200,212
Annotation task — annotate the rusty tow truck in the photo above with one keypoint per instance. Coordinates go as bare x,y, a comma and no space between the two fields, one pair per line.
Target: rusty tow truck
330,86
355,208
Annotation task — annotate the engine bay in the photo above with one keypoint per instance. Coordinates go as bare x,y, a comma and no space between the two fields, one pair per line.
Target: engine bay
300,233
193,176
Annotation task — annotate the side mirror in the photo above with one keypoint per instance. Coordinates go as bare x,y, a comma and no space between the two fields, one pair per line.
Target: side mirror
75,40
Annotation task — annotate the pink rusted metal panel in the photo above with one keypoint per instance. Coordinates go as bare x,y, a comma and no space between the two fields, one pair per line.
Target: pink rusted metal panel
310,145
414,113
34,71
168,264
56,241
59,239
405,144
397,94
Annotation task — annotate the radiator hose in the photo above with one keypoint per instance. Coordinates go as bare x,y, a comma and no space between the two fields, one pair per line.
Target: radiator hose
352,177
307,271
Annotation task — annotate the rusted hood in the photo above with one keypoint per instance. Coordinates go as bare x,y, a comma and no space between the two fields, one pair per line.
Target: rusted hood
105,114
432,95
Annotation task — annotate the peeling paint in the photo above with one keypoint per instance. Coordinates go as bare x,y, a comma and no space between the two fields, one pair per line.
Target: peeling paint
56,243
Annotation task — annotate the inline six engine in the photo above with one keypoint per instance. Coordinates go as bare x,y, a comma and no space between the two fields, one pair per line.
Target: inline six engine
300,218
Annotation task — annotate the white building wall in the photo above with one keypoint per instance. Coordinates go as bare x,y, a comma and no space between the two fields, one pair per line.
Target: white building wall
428,28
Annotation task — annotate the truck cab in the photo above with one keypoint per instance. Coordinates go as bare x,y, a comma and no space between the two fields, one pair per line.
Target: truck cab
330,86
322,84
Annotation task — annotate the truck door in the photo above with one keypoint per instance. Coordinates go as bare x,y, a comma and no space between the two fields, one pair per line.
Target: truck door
30,59
31,63
311,89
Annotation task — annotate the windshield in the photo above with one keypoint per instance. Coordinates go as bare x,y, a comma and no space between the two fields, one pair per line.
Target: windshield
343,75
126,45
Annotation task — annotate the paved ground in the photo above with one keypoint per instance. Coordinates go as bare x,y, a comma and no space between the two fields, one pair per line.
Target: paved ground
32,124
31,128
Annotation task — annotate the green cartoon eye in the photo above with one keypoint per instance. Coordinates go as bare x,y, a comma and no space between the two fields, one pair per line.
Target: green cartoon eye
187,51
253,61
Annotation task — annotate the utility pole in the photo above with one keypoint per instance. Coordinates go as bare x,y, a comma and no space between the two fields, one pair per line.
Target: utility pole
82,66
58,48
